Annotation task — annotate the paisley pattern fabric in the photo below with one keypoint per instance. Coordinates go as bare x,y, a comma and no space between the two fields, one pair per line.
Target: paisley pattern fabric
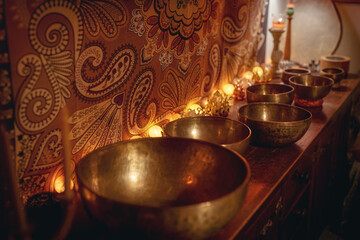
119,67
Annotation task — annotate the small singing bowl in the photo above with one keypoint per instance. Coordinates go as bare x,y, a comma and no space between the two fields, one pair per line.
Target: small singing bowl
287,73
219,130
312,88
270,92
337,74
163,188
275,124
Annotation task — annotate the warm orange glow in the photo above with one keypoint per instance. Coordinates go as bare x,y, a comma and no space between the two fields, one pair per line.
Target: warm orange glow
228,89
204,101
174,117
278,22
248,75
194,107
189,179
60,184
135,137
258,71
155,131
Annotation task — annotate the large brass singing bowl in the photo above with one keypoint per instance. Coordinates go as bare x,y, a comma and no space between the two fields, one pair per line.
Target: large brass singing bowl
219,130
311,87
163,188
270,92
274,124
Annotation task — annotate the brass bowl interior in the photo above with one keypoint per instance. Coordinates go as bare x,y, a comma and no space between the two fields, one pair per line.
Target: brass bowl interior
337,74
287,73
270,92
311,87
168,180
218,130
274,113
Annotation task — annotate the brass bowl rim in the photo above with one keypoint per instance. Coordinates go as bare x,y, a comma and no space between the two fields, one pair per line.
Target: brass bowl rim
289,71
271,94
279,104
211,117
336,68
291,80
341,71
239,188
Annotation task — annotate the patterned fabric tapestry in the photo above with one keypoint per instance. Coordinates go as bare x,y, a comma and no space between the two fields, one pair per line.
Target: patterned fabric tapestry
118,67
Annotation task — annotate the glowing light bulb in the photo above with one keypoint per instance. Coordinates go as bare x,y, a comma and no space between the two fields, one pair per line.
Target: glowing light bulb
258,71
60,184
228,89
195,108
155,131
248,75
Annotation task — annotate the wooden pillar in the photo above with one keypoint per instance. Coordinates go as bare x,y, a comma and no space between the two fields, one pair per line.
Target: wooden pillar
287,50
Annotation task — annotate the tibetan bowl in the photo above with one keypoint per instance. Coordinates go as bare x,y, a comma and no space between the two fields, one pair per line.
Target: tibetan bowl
219,130
287,73
311,87
275,124
162,188
270,92
337,74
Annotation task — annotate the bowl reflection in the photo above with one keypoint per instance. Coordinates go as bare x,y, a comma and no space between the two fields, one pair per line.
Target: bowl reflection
163,188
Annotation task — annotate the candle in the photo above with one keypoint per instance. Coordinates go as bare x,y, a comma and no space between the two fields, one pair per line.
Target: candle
155,131
67,153
228,89
278,22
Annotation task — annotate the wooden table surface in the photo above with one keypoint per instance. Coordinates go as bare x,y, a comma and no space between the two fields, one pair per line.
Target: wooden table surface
269,166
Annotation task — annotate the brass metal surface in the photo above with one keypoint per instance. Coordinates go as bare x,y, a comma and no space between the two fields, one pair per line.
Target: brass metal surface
270,92
287,73
311,87
163,188
274,124
223,131
335,73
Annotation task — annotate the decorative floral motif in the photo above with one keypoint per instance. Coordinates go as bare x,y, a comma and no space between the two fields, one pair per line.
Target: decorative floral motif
33,184
98,125
56,34
104,15
24,147
33,102
202,47
236,59
178,92
165,59
232,31
178,27
139,94
117,71
5,87
50,152
137,22
215,64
